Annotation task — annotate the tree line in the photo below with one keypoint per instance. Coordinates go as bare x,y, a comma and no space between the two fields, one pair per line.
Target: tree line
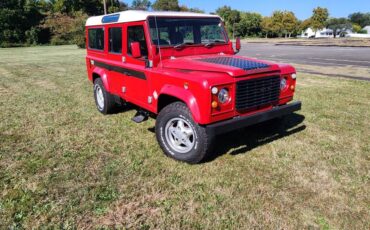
33,22
286,24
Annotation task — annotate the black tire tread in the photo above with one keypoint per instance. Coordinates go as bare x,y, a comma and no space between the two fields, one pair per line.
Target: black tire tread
181,108
109,100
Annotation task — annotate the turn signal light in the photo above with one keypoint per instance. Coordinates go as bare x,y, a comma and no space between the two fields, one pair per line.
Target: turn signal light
214,104
292,87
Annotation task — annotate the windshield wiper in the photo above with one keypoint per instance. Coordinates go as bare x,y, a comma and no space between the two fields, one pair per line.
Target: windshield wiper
182,45
211,43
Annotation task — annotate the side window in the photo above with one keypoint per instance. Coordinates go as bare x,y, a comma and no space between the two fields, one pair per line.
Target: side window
115,40
136,34
96,39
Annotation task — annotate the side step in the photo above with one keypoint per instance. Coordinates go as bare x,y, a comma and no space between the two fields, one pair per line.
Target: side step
140,116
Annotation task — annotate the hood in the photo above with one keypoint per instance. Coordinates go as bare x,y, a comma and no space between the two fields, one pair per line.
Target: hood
235,66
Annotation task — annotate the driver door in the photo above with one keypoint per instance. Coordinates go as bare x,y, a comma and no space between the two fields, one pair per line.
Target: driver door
136,78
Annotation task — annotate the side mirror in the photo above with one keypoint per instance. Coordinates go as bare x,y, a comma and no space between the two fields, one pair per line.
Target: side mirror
135,49
238,45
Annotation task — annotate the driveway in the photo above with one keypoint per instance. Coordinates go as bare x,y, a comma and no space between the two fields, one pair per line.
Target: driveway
346,62
309,55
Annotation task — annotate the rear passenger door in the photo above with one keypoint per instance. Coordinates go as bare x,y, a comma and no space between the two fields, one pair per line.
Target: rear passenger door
114,35
136,79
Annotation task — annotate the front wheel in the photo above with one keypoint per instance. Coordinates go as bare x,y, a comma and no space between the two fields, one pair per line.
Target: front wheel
179,136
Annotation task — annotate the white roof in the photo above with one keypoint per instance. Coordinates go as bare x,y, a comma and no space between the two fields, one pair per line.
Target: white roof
138,15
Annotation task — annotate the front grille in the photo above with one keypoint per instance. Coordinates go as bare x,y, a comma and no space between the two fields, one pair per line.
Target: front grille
257,92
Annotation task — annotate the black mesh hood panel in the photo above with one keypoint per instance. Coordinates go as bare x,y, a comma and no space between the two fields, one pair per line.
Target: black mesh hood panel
235,62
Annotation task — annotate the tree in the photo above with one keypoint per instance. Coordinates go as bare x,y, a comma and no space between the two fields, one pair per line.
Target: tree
123,6
230,16
90,7
19,20
282,22
362,19
249,24
266,26
305,25
290,23
166,5
195,10
67,29
338,25
356,28
318,18
141,5
277,26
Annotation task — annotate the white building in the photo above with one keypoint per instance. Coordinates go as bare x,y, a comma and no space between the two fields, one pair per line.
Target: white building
356,35
324,33
367,28
328,33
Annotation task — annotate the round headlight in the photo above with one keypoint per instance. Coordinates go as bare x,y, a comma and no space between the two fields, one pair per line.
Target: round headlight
282,84
294,76
223,95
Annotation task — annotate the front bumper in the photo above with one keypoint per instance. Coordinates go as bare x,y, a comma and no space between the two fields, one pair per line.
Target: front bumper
241,122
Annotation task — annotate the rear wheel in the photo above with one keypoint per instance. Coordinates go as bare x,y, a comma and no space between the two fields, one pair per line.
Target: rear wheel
104,101
179,136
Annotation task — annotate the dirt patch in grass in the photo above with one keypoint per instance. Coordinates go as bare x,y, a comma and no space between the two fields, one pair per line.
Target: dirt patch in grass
45,84
128,213
4,90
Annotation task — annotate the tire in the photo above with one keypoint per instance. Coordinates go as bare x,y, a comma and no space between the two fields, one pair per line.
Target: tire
179,136
104,101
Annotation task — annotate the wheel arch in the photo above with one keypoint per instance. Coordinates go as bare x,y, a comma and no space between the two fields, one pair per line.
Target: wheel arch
172,94
101,73
165,99
95,76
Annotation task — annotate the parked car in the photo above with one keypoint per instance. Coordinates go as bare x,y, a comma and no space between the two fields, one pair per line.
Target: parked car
181,69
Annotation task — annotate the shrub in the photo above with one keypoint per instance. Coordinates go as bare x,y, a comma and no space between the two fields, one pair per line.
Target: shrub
32,36
362,32
67,29
79,29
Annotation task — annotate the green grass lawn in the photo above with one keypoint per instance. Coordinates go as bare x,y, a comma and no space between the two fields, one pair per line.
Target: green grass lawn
64,165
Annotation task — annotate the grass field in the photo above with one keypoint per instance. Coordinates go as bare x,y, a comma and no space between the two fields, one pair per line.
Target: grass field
64,165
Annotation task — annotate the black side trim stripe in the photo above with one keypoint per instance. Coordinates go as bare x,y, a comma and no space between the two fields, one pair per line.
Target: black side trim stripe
127,72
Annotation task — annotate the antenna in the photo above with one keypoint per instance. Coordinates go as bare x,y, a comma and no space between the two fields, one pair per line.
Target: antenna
159,47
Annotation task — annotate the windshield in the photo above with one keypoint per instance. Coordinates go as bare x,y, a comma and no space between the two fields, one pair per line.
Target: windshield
176,31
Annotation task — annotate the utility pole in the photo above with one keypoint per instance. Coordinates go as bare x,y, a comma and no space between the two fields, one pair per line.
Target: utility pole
105,7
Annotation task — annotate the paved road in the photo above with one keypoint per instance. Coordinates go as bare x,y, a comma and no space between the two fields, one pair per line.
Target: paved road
309,55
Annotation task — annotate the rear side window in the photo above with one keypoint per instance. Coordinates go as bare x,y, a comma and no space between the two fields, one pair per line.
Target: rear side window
115,40
96,39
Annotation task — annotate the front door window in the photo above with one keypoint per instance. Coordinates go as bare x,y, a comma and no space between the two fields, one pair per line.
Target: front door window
136,34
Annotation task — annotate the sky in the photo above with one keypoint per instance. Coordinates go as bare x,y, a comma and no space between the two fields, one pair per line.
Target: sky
301,8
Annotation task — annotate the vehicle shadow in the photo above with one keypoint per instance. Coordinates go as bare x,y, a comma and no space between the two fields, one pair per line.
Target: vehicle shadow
244,140
122,109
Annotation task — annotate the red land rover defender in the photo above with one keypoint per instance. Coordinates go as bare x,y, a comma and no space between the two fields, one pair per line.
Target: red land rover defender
181,69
